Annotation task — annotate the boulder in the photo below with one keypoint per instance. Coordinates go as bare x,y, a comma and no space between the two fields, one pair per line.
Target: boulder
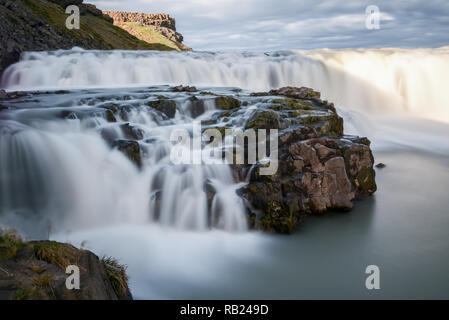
37,271
227,103
131,149
165,106
195,107
184,89
319,168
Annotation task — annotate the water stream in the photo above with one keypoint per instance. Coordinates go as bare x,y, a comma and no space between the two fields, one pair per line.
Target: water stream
61,179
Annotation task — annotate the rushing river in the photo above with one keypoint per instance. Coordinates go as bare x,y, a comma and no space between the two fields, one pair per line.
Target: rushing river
59,177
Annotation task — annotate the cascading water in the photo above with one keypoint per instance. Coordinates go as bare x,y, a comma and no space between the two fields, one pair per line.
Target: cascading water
59,173
375,81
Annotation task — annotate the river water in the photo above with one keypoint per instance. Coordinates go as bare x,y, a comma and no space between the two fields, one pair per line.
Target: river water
395,97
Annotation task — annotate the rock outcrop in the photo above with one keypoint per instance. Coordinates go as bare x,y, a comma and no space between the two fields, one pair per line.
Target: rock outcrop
319,168
35,25
36,271
158,22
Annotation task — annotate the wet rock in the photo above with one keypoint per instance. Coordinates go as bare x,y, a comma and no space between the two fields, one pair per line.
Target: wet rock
296,93
381,165
196,107
132,132
109,116
131,149
184,89
227,103
319,168
167,107
3,94
264,119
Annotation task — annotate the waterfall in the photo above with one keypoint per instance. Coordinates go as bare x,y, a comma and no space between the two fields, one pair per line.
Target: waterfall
61,171
374,81
57,171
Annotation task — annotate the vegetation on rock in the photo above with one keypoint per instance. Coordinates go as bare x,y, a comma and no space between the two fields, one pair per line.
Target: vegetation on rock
35,270
34,25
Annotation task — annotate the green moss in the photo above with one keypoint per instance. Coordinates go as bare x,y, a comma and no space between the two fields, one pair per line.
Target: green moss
333,127
227,103
117,275
280,223
131,149
110,117
167,107
207,93
297,104
264,119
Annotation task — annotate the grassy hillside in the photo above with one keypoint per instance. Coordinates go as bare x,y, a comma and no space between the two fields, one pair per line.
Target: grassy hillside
94,30
147,34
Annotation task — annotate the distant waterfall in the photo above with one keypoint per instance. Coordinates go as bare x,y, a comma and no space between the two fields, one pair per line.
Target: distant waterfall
376,81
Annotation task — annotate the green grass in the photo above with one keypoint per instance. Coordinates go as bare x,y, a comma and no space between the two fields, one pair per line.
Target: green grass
147,34
10,244
58,254
100,33
42,282
117,275
24,293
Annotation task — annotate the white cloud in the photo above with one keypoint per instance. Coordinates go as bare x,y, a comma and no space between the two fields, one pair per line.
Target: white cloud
297,24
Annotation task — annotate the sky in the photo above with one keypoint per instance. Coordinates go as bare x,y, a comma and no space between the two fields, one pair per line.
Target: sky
266,25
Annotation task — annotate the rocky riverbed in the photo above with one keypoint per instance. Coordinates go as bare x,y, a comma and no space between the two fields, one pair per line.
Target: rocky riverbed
319,168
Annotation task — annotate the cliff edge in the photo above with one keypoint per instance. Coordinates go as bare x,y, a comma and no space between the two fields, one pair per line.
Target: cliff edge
35,25
143,26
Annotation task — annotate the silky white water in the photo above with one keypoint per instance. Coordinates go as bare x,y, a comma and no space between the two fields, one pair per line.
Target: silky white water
376,81
61,179
59,173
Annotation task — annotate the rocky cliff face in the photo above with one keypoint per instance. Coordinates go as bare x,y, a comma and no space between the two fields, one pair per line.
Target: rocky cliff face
36,271
34,25
159,22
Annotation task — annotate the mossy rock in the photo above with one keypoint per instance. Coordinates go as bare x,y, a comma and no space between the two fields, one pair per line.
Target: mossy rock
333,126
110,117
131,149
167,107
264,119
227,103
366,179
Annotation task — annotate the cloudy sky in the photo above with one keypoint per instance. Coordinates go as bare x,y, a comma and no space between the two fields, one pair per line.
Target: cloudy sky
257,25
